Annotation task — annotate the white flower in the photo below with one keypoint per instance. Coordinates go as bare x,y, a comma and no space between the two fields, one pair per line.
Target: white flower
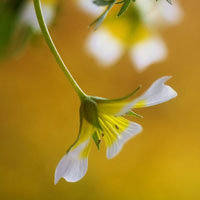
106,48
28,16
102,118
148,51
160,13
89,7
141,22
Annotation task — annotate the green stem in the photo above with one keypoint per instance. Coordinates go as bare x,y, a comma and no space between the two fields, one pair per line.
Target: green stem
54,51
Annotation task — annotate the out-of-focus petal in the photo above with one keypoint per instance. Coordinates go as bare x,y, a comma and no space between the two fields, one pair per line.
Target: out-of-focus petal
171,14
159,13
89,7
104,47
28,16
148,51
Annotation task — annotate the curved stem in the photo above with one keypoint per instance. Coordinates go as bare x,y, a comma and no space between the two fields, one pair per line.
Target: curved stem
54,51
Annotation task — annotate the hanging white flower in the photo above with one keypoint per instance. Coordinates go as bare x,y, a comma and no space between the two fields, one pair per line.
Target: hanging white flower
104,119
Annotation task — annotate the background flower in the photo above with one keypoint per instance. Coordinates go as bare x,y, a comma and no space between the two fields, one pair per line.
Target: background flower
137,31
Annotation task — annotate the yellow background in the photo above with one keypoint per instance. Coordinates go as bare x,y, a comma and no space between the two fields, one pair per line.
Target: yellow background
39,118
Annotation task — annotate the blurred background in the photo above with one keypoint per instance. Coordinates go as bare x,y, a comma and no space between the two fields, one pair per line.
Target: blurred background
39,117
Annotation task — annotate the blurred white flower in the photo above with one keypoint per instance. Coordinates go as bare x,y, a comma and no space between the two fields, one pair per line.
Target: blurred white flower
137,31
28,16
89,7
106,48
147,52
160,13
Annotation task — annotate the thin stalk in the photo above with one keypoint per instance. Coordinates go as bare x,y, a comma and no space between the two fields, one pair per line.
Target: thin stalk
47,36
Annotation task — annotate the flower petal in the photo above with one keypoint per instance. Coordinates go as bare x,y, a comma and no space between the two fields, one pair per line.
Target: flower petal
104,47
89,7
111,108
147,52
156,94
132,130
117,131
158,14
171,14
73,166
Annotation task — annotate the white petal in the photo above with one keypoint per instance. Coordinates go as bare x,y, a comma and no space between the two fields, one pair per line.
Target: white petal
147,52
159,13
171,14
156,94
89,7
132,130
28,16
72,167
104,47
145,6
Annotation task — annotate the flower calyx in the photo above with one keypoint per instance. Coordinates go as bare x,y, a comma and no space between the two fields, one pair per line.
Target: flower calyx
89,111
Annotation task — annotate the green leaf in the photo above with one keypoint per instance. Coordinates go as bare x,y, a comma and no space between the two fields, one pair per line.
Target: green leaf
102,2
101,18
124,7
110,4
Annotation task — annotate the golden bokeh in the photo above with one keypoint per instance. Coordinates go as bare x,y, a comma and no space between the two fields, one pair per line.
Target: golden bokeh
39,118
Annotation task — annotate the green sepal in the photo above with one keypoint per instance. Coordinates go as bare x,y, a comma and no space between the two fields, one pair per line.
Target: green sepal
133,114
104,100
96,139
90,112
80,127
124,7
101,2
